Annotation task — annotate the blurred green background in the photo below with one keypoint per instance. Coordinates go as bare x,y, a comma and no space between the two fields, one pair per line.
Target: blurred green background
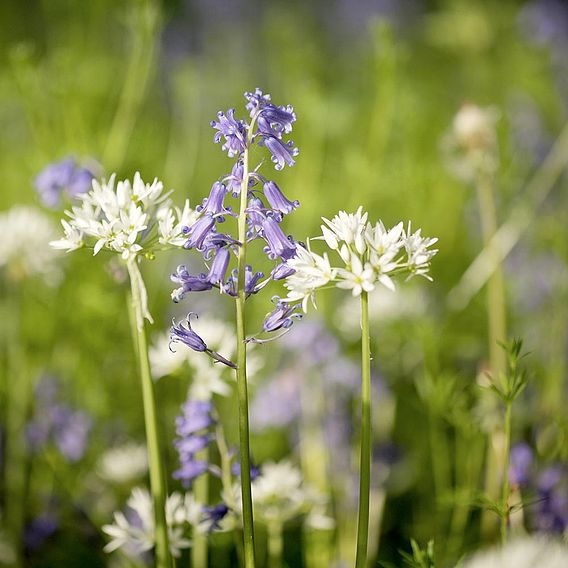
133,86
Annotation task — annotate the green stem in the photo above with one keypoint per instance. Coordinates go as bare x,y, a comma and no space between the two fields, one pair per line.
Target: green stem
275,544
242,390
157,479
365,467
505,480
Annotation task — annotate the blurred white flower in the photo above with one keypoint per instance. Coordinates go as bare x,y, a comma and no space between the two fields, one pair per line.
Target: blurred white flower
524,553
470,146
134,532
24,250
279,494
124,463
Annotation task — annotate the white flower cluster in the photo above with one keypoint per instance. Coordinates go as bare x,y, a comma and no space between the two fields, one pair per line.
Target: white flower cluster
208,377
24,250
134,531
129,219
279,494
368,253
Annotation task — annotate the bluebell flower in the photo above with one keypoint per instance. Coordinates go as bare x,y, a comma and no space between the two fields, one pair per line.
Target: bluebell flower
192,428
255,470
275,121
39,530
551,514
279,245
277,200
188,283
235,180
281,271
256,100
212,516
62,177
232,130
71,433
283,153
185,335
198,232
213,204
521,460
219,266
251,281
282,317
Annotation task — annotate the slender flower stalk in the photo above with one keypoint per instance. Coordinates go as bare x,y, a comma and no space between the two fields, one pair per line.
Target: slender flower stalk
157,479
365,463
242,389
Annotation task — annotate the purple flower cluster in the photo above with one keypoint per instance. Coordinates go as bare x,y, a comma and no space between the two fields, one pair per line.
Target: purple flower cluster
549,514
58,423
64,177
193,428
267,206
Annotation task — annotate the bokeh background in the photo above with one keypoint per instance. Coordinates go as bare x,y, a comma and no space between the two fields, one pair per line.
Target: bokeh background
132,86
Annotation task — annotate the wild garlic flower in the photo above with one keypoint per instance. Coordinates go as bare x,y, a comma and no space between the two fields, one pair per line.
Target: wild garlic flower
368,254
133,530
127,218
24,251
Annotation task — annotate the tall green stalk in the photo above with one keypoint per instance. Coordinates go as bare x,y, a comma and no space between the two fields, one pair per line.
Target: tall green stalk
242,389
157,479
506,488
199,548
365,464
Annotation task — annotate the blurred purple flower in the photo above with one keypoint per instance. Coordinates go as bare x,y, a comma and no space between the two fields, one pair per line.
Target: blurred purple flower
521,460
214,515
38,530
61,177
551,513
192,428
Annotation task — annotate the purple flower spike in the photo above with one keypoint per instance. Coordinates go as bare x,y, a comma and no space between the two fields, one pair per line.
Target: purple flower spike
188,283
251,281
185,335
521,461
199,231
234,131
283,153
190,470
213,204
277,200
278,244
219,266
282,317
